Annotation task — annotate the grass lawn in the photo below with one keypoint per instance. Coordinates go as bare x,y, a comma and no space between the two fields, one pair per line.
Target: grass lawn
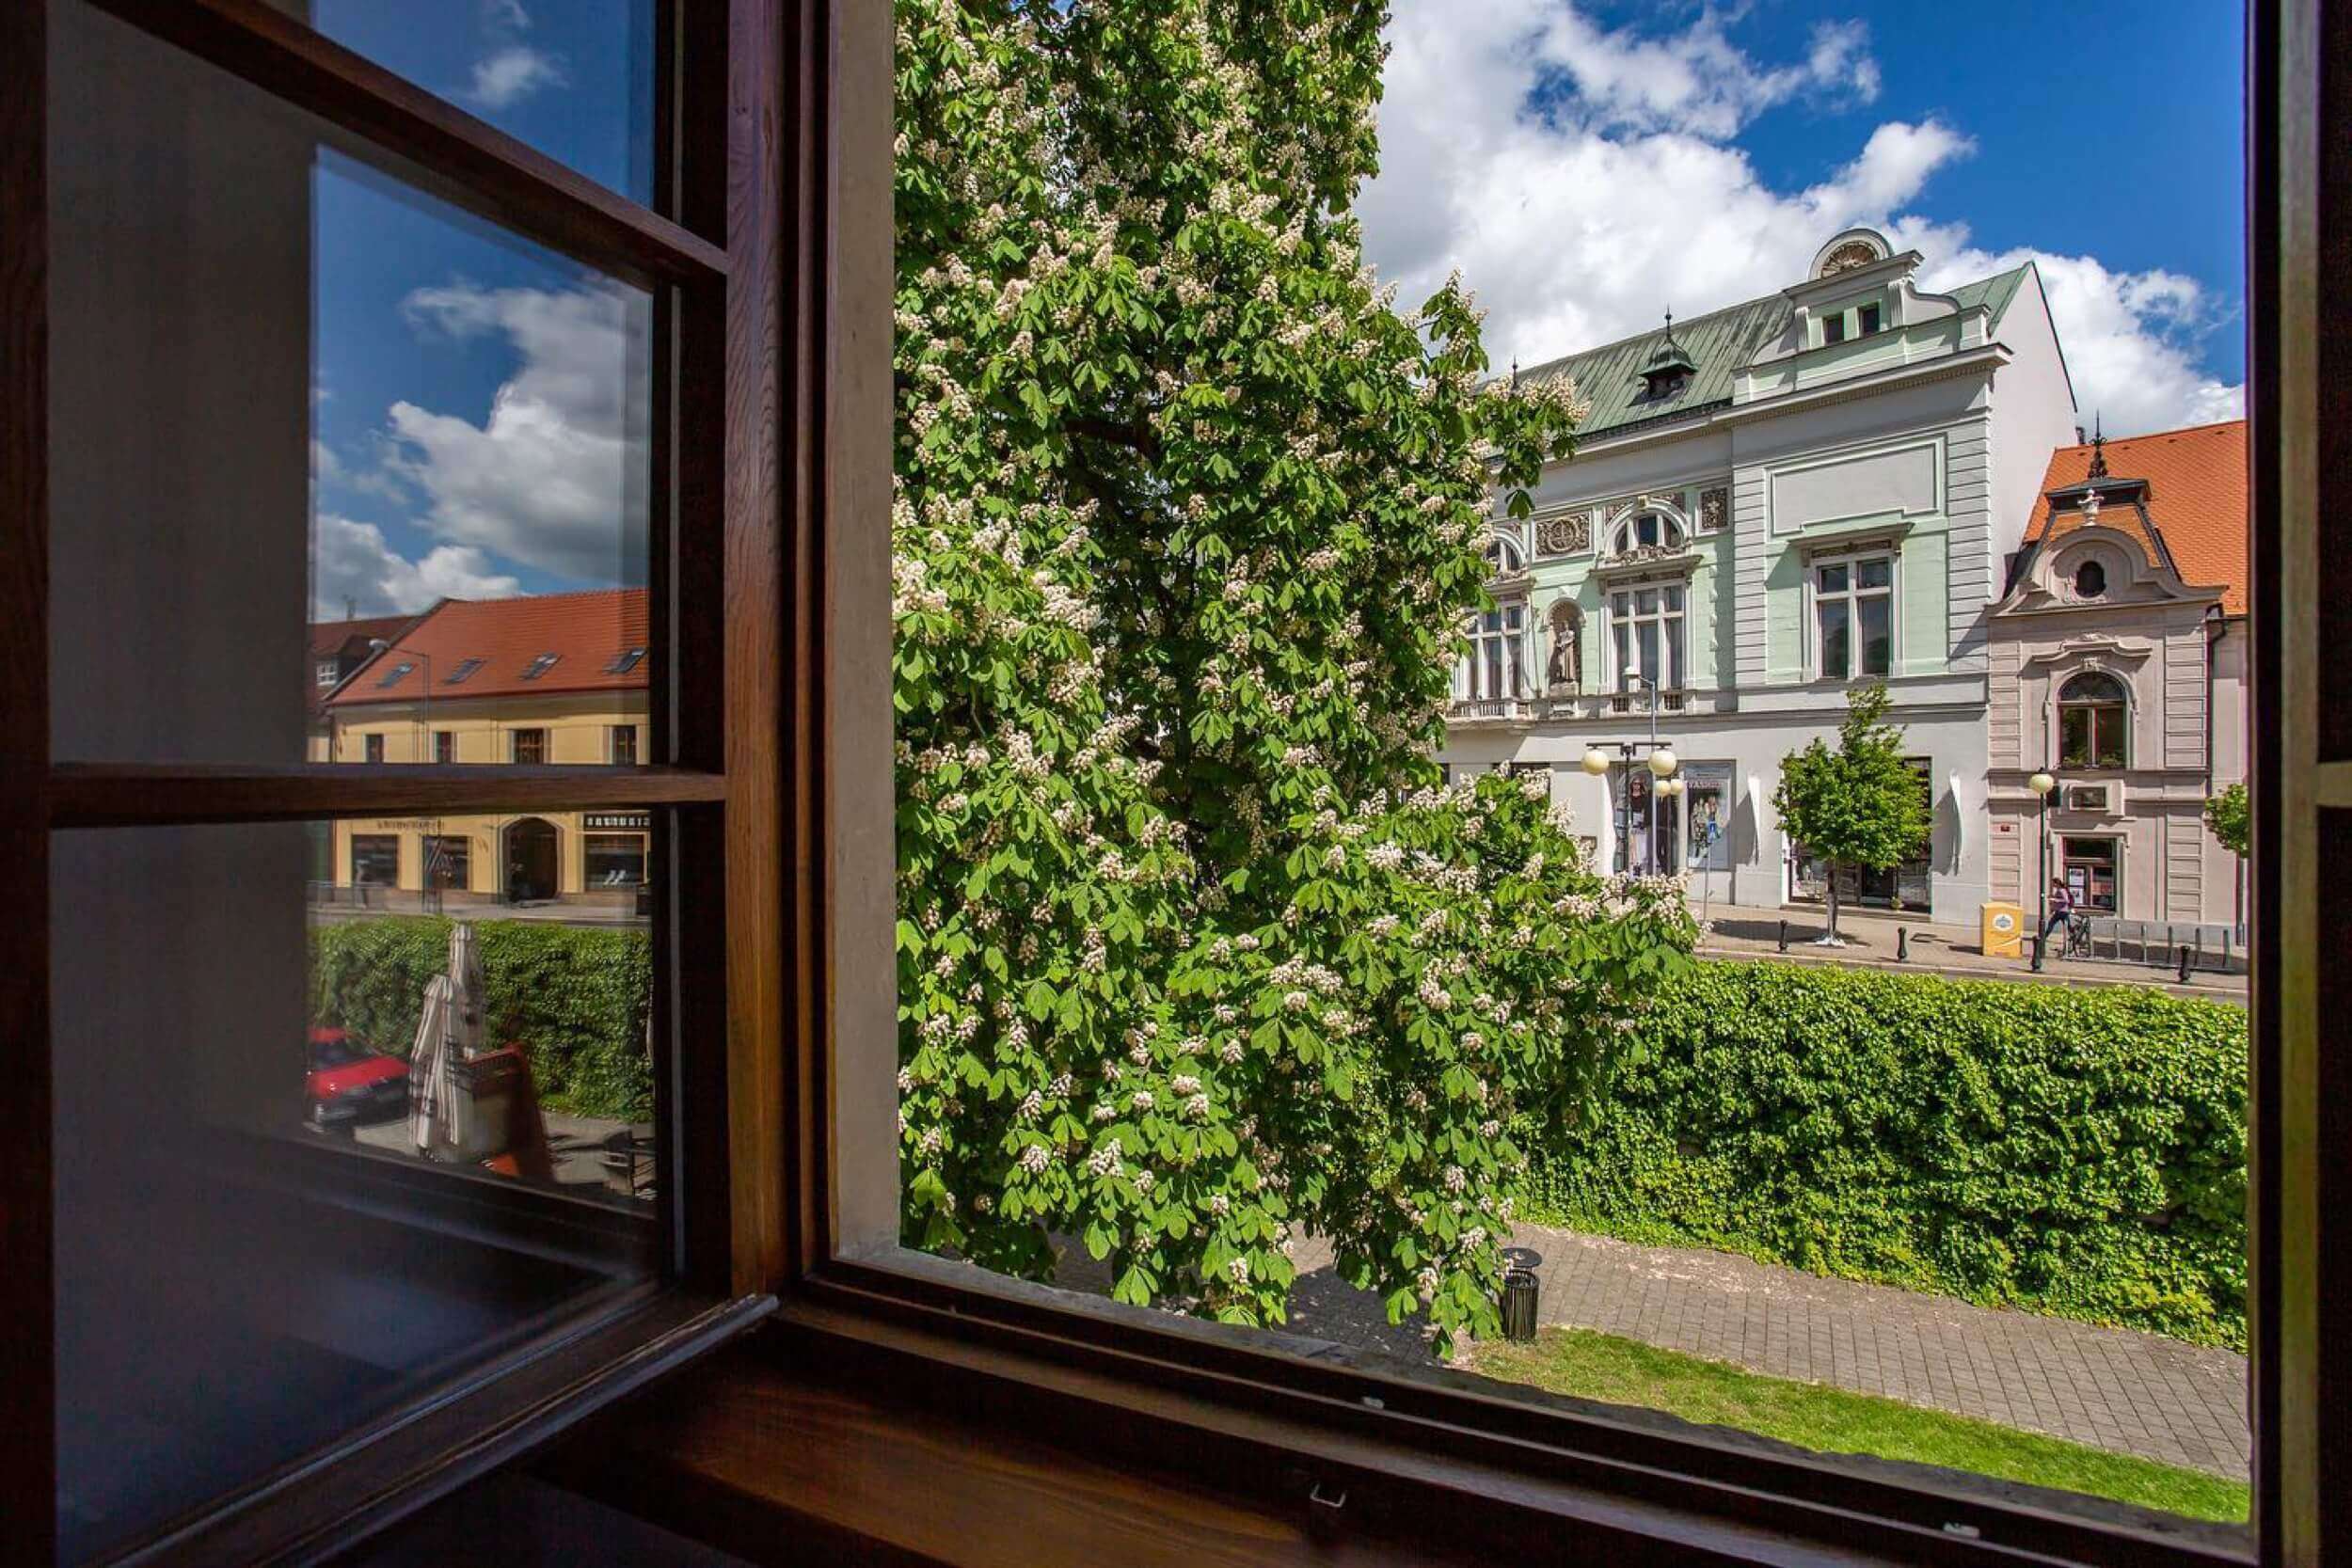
1603,1366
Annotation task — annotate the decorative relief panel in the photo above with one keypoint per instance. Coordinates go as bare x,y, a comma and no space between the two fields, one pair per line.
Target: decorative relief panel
1714,506
1565,534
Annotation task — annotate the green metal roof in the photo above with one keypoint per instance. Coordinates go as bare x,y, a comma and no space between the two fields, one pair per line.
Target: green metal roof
1719,343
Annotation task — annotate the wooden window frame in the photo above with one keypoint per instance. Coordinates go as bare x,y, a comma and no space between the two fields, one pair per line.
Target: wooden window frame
1216,1405
732,158
801,1199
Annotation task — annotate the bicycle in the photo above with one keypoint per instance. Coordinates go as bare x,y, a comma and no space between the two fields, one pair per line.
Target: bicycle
2077,943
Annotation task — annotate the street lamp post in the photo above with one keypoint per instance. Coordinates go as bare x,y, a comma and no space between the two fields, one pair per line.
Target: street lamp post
1662,764
2042,784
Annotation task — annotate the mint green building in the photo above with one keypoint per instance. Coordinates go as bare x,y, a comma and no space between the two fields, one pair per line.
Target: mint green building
1769,503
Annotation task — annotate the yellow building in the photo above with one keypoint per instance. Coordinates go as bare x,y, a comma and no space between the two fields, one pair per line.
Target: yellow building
554,678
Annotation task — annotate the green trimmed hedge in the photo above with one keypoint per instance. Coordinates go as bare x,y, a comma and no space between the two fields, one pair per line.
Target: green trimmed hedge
2080,1152
574,998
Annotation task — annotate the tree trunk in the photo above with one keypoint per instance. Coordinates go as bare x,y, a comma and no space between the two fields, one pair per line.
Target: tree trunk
1833,901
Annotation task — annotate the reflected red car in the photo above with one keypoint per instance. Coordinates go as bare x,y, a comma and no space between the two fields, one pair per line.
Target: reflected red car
349,1084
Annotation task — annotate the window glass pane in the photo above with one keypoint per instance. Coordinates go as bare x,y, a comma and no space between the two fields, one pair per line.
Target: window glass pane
1670,673
246,1041
1873,574
1832,579
2075,736
2108,726
1836,660
1646,602
1876,615
1621,630
1650,648
301,409
573,78
1674,598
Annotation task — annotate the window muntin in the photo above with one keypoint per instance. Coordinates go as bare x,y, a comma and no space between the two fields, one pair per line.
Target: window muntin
1854,617
328,673
2095,722
1646,630
526,746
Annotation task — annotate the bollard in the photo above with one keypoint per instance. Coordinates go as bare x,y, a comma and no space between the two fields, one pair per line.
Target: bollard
1902,946
1518,1304
1783,936
2037,951
2188,960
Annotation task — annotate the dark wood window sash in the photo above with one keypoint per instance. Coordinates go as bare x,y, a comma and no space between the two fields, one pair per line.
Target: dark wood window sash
725,315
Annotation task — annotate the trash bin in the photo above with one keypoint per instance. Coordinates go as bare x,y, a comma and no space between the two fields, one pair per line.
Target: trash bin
1518,1304
2001,930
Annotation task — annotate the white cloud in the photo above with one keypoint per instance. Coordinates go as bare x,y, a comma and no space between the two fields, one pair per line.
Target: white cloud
510,73
549,479
1584,180
351,564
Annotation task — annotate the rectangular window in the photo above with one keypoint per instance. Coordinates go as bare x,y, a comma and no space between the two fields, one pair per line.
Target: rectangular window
1494,668
1708,807
1834,328
327,673
372,746
444,746
614,860
375,859
464,667
1854,617
528,746
1867,317
2093,869
623,745
1646,633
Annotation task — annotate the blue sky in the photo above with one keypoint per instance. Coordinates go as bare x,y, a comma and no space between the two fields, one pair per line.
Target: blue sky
1588,163
480,400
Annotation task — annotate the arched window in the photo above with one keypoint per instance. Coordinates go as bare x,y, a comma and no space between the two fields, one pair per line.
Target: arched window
1495,668
2091,581
2095,722
1645,529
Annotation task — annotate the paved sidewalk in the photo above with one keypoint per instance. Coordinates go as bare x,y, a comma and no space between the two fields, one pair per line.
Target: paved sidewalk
2112,1388
1949,950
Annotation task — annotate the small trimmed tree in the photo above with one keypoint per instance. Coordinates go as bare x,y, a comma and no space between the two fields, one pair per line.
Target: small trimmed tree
2229,817
1856,805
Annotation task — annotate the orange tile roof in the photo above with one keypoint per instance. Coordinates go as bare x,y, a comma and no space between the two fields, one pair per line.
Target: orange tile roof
2195,497
586,632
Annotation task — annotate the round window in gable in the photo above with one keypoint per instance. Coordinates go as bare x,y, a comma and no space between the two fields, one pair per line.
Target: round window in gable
2091,581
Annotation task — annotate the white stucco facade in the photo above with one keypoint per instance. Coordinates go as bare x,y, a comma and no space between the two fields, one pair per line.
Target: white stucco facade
1772,502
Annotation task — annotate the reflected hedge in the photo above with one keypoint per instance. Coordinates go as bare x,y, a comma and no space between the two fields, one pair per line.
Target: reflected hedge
574,998
2080,1152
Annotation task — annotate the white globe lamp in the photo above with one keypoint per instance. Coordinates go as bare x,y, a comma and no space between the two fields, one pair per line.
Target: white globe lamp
1662,763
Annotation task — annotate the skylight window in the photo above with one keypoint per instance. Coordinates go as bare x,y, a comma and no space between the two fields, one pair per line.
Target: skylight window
624,661
540,666
465,667
398,673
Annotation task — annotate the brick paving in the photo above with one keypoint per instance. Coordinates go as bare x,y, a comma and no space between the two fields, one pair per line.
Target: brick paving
2112,1388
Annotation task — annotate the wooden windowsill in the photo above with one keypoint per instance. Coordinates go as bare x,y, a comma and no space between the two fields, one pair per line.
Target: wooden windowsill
830,1436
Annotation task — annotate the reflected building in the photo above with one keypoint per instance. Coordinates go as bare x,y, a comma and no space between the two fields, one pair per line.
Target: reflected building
555,678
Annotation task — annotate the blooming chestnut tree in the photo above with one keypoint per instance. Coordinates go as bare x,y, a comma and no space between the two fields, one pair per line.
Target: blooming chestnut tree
1195,956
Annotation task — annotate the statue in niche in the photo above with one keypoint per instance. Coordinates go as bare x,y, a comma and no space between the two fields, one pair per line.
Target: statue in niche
1566,672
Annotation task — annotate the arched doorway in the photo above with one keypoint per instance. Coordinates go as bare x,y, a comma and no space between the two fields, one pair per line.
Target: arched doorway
531,863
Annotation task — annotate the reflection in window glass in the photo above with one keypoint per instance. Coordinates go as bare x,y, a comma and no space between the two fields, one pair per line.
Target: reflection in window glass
285,381
251,1067
573,78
